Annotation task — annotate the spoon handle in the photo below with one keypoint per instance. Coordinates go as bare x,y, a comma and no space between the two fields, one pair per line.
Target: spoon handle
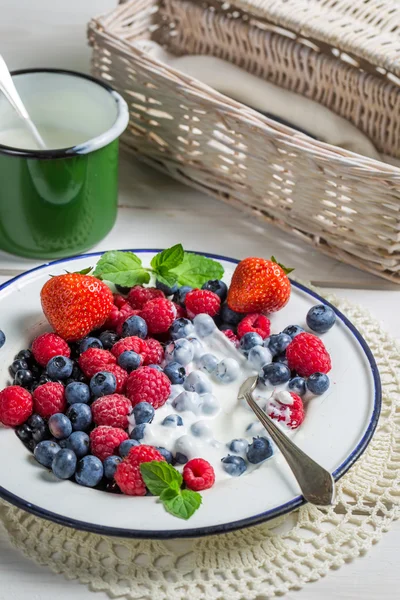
315,482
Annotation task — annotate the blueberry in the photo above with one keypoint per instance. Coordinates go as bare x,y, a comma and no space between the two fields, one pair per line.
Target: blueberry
59,367
175,372
122,289
320,318
181,351
249,341
80,416
40,431
233,465
168,290
201,429
278,343
196,381
180,295
204,325
44,379
103,383
89,471
187,402
181,328
78,442
24,433
208,363
156,367
45,452
165,453
77,392
239,445
259,356
26,355
23,377
136,326
125,446
89,342
143,413
110,465
172,421
35,421
293,330
2,338
259,450
198,349
227,327
138,432
227,370
281,358
218,287
274,373
64,463
180,458
60,426
129,360
77,374
18,364
209,405
230,316
108,339
318,383
297,385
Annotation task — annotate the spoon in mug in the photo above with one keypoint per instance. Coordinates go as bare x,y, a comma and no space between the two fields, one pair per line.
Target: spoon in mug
9,90
316,484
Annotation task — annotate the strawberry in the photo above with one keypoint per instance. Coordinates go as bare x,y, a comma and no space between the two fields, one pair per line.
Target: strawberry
75,304
259,285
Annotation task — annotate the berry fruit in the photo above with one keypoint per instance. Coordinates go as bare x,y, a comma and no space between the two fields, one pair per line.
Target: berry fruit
318,383
208,363
134,326
80,416
293,330
154,353
125,447
64,464
49,399
198,474
234,465
132,343
181,328
89,342
112,410
306,354
76,391
321,318
45,452
139,295
159,315
166,289
256,323
180,351
172,421
89,471
204,325
78,442
227,370
297,385
249,340
129,360
110,465
48,345
105,440
286,407
94,360
239,446
175,372
143,413
274,374
258,357
202,301
15,405
108,339
278,343
2,338
60,426
103,384
128,476
218,287
148,385
59,367
198,382
259,450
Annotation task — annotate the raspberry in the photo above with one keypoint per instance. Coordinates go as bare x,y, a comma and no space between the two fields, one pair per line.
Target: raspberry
256,323
148,385
128,476
130,343
15,405
290,411
232,337
120,375
306,354
139,295
118,316
154,354
105,440
49,399
48,345
94,360
159,314
112,410
180,311
202,301
198,474
119,300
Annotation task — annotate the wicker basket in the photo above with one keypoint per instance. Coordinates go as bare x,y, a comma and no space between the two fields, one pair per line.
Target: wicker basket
342,53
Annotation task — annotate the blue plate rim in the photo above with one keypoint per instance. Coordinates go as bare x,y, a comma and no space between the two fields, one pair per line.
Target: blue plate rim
226,527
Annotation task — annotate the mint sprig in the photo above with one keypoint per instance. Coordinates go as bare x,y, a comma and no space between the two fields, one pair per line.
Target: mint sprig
170,266
164,481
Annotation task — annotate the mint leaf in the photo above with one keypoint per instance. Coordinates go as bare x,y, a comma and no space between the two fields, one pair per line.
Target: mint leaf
167,259
124,268
160,477
196,269
181,503
168,279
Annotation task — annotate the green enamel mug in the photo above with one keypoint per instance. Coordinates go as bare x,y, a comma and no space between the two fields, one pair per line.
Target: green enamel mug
62,200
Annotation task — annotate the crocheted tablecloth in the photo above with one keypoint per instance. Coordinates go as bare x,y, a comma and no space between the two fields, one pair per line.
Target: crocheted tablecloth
259,562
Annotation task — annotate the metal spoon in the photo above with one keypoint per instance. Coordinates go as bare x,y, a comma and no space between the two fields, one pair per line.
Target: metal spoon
8,88
315,482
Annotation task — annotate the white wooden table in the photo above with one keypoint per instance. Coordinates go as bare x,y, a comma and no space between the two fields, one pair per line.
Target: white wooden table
156,211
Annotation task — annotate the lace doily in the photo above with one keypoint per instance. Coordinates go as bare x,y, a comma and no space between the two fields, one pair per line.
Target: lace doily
258,562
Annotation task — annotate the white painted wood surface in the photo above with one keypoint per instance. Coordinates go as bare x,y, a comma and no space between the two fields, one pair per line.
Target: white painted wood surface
156,212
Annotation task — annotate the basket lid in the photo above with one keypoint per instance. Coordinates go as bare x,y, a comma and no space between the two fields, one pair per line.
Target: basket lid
366,29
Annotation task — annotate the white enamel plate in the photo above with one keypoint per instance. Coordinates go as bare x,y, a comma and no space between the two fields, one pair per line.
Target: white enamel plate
337,428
